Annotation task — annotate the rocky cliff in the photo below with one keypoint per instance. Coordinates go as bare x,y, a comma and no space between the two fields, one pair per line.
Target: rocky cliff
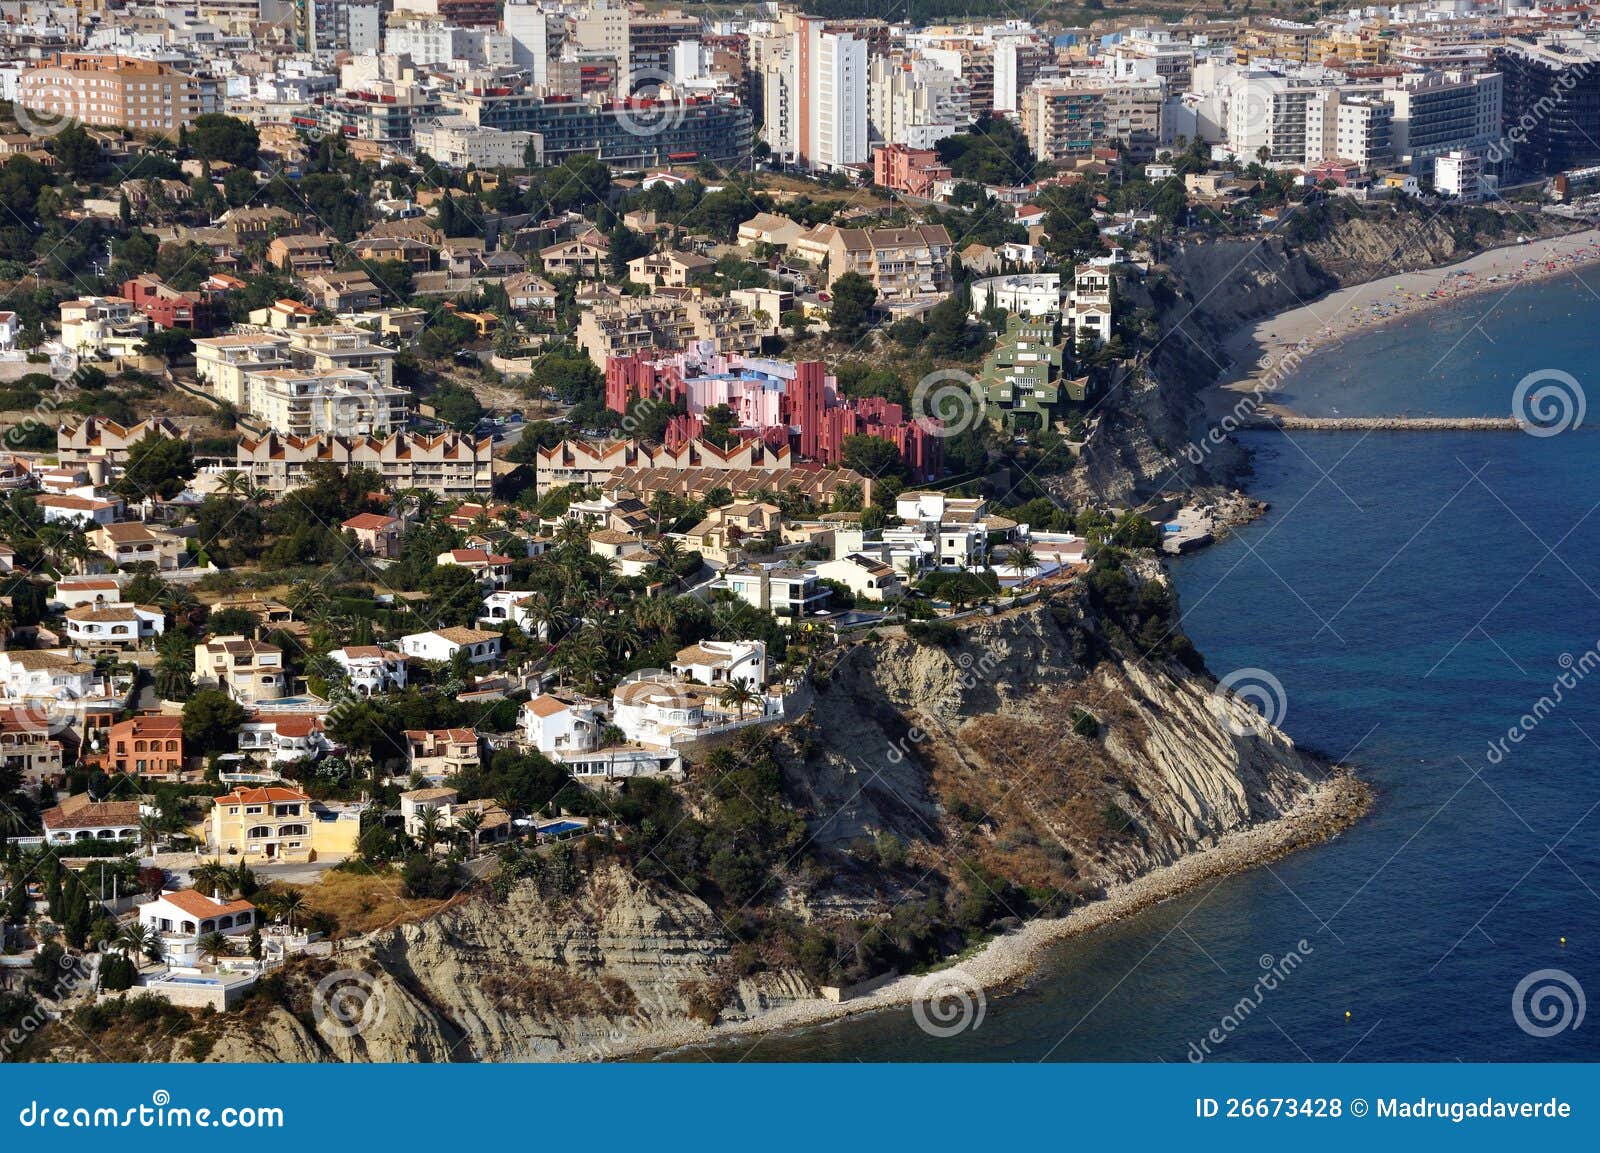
1026,749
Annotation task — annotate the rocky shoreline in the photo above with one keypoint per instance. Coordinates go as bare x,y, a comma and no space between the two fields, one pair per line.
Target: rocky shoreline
1004,962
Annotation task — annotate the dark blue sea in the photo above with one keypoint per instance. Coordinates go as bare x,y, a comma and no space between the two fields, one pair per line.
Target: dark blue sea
1415,594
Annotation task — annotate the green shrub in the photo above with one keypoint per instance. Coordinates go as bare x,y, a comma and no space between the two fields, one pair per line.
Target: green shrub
940,634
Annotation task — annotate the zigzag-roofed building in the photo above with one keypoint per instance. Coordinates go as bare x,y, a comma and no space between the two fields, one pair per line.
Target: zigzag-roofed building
585,462
448,463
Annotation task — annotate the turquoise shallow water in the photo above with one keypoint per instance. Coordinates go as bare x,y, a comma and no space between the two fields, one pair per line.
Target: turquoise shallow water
1415,594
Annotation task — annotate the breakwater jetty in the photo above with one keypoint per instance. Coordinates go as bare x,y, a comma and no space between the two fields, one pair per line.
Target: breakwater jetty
1387,423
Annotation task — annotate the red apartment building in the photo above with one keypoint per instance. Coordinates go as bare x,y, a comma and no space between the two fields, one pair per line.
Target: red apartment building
149,746
167,307
910,170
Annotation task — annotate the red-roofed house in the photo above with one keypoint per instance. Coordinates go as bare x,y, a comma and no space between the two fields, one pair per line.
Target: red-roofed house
145,746
266,824
491,569
179,919
282,737
377,533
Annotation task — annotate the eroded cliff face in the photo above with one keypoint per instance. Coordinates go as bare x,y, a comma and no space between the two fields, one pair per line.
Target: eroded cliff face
907,734
971,752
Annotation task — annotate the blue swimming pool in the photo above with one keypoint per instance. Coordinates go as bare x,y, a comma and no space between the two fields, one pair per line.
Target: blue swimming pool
562,827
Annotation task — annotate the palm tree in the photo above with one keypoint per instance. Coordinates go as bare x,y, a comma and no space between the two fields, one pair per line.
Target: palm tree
210,877
290,902
738,695
430,828
470,823
215,946
233,483
133,938
149,827
1023,558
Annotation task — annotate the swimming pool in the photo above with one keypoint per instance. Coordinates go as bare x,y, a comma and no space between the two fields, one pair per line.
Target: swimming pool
562,827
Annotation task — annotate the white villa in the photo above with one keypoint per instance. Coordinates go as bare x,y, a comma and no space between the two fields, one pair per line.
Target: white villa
441,644
179,919
371,670
723,662
118,624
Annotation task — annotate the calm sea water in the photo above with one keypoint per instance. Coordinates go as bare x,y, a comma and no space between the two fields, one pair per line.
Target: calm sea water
1415,594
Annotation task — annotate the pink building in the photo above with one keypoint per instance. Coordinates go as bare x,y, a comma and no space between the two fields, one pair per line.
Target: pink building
913,171
783,403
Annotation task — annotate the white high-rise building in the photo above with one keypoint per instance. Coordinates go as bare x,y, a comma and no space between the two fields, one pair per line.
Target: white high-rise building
774,91
914,102
529,30
838,100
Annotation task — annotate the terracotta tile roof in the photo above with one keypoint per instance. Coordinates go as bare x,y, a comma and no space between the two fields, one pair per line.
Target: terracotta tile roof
370,520
267,795
109,612
202,906
93,815
460,635
544,705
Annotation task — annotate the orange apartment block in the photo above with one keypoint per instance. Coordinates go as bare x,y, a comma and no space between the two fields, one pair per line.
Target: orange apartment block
149,746
111,91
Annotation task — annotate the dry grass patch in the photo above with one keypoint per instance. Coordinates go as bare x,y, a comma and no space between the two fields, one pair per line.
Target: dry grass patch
363,902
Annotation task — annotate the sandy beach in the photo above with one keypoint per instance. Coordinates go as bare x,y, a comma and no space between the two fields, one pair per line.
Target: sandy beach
1325,811
1267,352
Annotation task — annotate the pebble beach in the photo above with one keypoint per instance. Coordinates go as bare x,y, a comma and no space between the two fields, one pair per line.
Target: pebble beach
1325,811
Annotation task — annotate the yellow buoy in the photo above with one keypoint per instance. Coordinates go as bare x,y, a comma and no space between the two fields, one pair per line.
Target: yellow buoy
1347,1014
1563,940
